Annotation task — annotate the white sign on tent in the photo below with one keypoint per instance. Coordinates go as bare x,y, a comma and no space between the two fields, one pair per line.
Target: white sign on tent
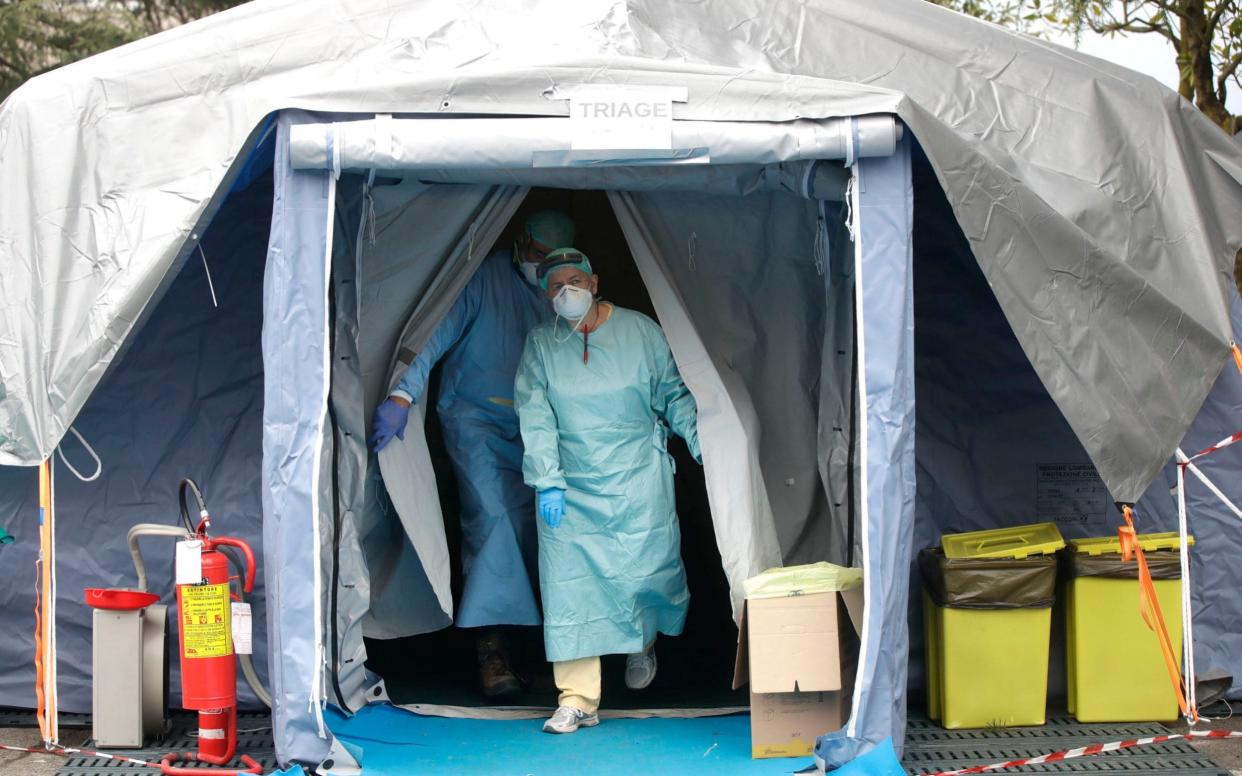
610,118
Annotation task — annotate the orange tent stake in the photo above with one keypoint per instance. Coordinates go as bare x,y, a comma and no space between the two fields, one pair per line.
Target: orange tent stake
45,612
44,489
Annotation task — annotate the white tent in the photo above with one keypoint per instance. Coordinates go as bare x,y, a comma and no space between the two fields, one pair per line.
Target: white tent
1098,208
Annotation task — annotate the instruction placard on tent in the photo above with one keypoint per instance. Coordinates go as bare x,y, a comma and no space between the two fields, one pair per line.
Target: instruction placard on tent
1071,494
614,118
205,621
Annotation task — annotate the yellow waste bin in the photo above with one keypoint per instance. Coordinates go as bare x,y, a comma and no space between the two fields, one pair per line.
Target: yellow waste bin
987,615
1115,669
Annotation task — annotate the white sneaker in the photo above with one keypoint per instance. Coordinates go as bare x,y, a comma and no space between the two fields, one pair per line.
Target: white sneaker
567,719
640,669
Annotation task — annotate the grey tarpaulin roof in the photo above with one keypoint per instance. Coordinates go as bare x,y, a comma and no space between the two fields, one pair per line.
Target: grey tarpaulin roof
1102,209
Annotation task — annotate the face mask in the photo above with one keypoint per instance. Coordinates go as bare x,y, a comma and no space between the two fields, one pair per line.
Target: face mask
572,303
529,270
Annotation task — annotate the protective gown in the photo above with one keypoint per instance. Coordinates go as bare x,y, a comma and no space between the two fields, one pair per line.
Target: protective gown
611,572
480,341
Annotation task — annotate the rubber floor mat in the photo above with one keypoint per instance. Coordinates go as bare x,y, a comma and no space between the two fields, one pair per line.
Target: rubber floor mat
931,749
254,738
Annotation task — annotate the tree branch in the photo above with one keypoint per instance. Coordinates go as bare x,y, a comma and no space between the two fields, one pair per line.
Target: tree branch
1218,13
1140,26
1171,34
12,67
1134,25
1169,7
1107,22
1228,70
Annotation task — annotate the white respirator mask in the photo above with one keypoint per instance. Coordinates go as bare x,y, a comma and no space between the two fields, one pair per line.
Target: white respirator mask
572,303
530,270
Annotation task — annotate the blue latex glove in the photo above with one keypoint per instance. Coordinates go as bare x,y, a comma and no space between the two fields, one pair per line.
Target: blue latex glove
551,506
389,421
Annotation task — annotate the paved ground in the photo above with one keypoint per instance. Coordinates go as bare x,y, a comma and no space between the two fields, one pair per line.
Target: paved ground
16,763
1227,754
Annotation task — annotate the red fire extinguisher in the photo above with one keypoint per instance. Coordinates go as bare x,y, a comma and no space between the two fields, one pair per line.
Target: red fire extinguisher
208,664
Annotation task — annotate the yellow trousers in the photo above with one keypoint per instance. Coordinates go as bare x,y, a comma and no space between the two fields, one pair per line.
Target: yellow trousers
579,682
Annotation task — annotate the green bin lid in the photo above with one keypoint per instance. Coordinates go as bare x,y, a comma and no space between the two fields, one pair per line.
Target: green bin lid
1016,542
1104,545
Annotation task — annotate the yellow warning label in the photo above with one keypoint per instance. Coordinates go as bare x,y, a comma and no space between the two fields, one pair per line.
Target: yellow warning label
205,621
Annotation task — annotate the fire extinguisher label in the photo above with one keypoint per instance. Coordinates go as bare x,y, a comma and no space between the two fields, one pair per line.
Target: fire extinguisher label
189,567
241,628
205,621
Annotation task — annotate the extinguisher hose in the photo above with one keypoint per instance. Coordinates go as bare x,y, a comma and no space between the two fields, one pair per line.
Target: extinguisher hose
247,664
149,529
252,679
198,496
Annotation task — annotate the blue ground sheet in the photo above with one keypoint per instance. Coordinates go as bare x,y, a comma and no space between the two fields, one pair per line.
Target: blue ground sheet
395,741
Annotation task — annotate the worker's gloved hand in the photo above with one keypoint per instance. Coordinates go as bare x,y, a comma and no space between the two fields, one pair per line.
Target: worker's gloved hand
551,506
389,421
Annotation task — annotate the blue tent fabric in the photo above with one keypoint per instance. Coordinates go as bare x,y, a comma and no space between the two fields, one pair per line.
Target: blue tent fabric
258,163
886,353
295,396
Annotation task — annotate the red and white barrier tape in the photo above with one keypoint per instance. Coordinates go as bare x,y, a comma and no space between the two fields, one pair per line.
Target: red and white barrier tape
1053,757
1221,445
1086,751
65,751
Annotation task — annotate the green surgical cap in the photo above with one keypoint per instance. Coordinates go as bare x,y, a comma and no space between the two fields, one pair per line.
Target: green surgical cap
552,228
559,259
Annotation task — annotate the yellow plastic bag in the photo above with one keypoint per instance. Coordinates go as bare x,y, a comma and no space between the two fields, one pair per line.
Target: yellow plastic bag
803,580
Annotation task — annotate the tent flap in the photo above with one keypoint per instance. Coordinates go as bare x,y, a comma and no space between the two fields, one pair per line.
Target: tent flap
453,241
883,201
762,327
295,397
745,528
347,591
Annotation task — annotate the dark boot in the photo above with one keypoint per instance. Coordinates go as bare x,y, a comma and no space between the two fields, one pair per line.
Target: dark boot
494,672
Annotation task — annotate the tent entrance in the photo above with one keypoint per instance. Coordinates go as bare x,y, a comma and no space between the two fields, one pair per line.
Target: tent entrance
695,668
712,247
755,275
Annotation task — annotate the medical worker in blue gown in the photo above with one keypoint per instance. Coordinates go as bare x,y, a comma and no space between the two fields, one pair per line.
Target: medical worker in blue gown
597,392
480,341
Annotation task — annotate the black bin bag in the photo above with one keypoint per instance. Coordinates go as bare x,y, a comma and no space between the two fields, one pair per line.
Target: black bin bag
989,583
1163,564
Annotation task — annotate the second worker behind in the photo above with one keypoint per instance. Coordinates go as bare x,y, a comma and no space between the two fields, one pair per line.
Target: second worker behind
480,341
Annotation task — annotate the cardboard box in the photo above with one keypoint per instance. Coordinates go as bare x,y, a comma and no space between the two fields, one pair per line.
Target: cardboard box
799,654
